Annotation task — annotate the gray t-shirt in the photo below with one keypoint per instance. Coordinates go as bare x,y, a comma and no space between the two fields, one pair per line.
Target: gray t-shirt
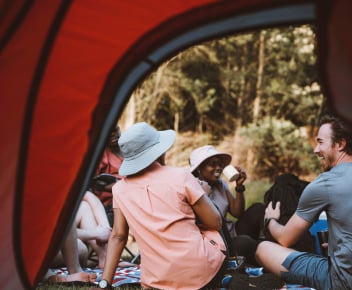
219,197
332,191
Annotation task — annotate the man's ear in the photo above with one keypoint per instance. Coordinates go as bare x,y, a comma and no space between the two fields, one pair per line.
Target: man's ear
341,144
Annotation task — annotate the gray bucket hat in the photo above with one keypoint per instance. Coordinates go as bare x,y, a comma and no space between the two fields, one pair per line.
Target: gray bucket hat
141,145
199,155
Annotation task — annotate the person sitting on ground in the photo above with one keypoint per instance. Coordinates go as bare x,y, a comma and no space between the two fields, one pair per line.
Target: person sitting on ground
88,231
71,259
93,232
329,192
287,189
99,197
207,164
160,203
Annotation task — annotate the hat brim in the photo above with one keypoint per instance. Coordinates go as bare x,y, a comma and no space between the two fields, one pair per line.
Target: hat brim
225,160
137,163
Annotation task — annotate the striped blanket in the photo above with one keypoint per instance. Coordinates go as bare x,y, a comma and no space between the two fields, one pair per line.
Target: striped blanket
131,276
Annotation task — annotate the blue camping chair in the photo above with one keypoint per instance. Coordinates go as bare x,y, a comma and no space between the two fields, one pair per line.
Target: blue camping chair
319,226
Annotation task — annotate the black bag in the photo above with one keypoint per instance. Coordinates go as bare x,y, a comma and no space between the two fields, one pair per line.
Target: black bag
288,189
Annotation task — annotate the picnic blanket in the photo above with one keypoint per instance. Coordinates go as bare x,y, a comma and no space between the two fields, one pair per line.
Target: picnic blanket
123,276
131,275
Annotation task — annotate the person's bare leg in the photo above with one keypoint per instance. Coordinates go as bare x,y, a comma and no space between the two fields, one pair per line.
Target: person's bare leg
85,220
82,254
70,256
271,256
97,209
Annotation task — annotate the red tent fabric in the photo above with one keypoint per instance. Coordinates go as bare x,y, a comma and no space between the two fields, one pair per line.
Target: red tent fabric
67,68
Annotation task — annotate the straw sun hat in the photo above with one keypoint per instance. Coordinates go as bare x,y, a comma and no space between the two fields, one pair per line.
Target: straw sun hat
199,155
141,145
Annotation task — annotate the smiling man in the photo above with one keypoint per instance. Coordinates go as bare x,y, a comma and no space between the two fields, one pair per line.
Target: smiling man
330,191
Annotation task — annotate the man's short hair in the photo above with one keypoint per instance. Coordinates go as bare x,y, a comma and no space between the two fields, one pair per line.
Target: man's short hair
340,130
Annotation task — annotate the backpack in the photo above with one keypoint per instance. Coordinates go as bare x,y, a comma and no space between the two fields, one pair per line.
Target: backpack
287,189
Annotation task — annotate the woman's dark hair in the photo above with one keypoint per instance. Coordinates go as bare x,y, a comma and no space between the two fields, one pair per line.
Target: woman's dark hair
340,131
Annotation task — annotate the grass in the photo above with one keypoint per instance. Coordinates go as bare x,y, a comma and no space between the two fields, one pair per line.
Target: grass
58,286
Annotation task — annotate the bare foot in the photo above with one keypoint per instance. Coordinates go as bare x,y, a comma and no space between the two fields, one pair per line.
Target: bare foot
76,277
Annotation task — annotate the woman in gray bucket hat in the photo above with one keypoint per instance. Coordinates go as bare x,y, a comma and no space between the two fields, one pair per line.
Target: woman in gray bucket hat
159,204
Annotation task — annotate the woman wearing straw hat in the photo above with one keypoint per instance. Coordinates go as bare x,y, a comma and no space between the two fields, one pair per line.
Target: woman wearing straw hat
159,203
207,164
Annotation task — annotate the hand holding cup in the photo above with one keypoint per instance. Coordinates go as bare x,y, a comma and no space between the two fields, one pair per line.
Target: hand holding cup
231,173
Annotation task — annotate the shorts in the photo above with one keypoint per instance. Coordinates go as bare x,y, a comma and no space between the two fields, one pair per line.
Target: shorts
307,269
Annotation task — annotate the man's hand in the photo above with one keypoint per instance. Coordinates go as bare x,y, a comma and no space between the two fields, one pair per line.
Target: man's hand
270,212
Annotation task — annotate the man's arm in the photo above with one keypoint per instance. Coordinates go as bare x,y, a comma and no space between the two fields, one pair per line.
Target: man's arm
286,235
289,234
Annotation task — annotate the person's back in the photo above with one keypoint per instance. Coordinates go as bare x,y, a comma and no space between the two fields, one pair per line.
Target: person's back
170,243
160,204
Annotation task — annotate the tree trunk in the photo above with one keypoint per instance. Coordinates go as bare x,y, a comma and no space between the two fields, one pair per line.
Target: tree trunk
238,121
176,121
257,100
256,108
200,124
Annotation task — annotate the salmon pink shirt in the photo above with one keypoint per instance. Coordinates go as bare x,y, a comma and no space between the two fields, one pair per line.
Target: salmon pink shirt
175,254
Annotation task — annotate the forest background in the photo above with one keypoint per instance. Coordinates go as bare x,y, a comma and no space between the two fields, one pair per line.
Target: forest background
255,95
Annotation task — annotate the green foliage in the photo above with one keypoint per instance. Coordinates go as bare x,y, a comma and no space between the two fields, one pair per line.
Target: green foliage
266,77
255,191
280,147
291,86
218,81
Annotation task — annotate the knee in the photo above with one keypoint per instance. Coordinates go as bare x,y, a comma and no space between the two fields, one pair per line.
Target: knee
82,210
262,248
84,206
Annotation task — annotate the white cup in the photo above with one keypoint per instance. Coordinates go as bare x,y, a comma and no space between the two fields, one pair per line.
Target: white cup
231,173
